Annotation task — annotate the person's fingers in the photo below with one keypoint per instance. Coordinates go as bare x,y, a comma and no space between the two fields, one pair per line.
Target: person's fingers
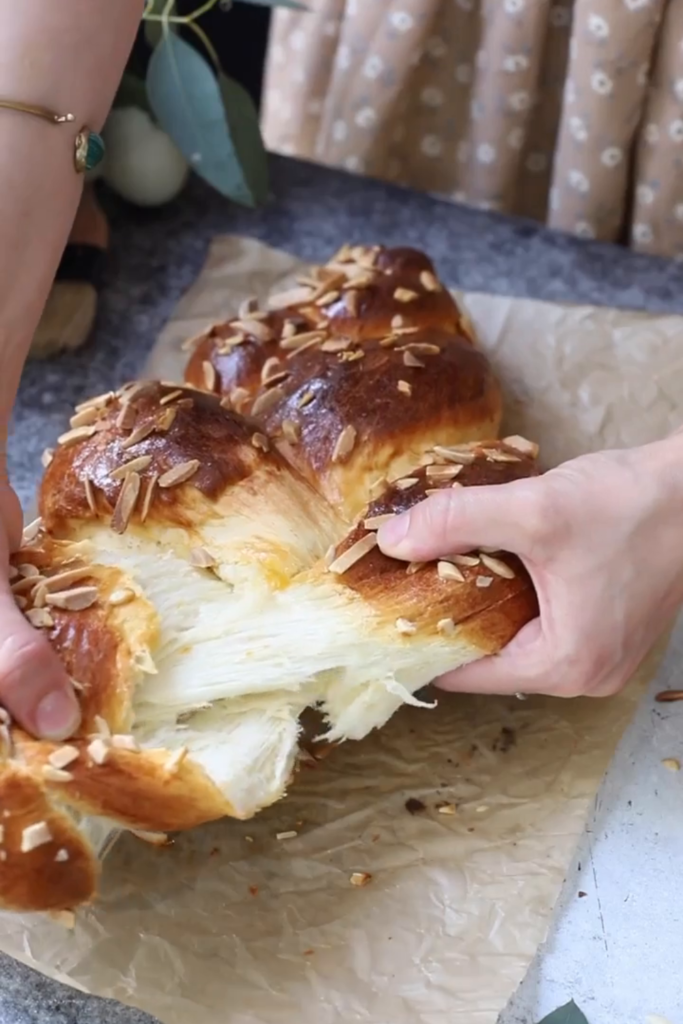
521,667
34,687
504,517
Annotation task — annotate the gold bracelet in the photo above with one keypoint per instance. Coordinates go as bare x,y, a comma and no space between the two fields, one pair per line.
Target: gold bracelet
88,145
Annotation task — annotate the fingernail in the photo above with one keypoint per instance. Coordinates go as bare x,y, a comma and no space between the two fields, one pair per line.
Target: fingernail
393,534
58,715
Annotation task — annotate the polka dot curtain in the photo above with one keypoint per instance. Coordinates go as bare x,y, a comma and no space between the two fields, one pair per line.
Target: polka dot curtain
566,111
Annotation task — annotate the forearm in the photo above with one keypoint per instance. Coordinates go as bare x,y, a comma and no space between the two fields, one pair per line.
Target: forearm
68,56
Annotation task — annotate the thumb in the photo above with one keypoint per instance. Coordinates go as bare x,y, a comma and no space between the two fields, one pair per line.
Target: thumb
461,519
34,686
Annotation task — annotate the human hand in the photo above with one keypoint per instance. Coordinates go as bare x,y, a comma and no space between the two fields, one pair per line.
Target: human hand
602,539
34,687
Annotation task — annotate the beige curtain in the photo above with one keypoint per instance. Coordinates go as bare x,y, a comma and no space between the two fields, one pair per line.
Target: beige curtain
566,111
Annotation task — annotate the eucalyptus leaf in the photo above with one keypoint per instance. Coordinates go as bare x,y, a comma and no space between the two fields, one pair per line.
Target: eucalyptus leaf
213,122
278,3
132,92
567,1014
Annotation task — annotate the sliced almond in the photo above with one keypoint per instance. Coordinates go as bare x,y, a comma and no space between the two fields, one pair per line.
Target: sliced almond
98,401
260,441
521,444
32,531
266,401
270,368
66,579
484,581
445,626
429,281
336,345
125,503
98,750
201,558
449,809
63,756
74,600
397,321
374,522
75,436
411,360
90,494
327,298
405,627
360,879
126,417
298,341
414,567
153,838
291,834
423,347
34,836
443,472
28,571
149,494
170,397
85,418
180,474
237,399
448,571
344,444
289,329
305,399
406,483
61,857
51,774
458,455
135,465
138,434
292,297
496,455
353,554
353,301
405,387
40,618
467,561
498,567
405,295
256,329
120,597
291,431
47,457
209,375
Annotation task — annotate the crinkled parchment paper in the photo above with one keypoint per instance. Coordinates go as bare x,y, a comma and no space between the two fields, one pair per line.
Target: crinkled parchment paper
230,925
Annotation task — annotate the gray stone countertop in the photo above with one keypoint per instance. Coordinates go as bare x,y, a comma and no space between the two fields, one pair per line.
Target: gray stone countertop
156,255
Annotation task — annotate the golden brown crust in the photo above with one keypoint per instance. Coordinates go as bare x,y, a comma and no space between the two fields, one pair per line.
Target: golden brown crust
350,394
59,872
491,593
156,430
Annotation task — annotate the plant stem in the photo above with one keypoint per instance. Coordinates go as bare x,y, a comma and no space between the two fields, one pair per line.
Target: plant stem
207,44
178,19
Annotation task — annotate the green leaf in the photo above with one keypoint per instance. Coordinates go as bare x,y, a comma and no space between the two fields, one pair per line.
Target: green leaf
568,1014
132,92
278,3
213,122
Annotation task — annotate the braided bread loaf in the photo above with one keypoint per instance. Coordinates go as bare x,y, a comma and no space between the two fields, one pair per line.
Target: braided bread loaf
206,564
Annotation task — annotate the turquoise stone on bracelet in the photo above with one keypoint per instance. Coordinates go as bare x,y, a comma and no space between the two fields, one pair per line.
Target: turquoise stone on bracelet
89,150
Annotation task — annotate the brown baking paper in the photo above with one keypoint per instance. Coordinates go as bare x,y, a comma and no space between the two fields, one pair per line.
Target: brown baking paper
230,925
